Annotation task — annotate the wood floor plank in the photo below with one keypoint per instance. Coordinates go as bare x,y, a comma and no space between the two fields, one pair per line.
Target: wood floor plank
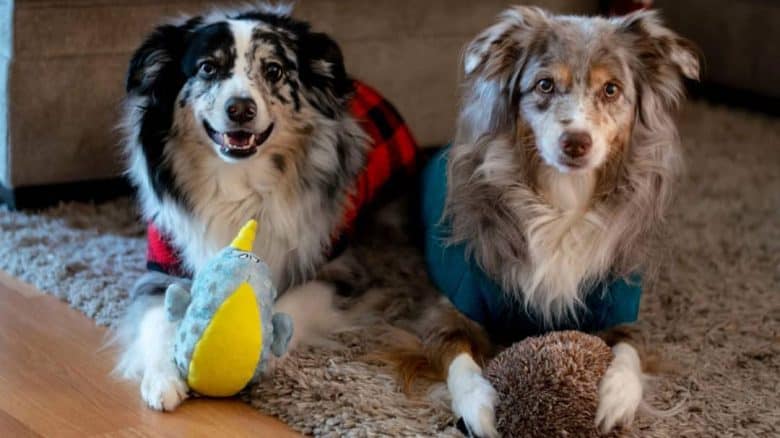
15,285
10,426
55,380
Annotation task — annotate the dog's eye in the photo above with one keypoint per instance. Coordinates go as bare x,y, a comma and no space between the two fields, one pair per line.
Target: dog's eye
611,90
272,71
207,69
545,86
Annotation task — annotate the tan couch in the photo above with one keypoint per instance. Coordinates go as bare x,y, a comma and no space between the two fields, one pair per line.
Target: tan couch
62,66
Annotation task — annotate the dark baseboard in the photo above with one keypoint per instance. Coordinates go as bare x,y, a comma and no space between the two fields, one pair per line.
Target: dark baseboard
735,97
37,197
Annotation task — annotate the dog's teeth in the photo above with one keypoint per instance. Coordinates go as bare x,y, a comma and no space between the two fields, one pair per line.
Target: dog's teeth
225,139
252,140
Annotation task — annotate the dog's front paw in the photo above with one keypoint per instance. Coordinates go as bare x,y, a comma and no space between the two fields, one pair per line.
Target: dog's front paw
163,391
620,390
473,398
475,405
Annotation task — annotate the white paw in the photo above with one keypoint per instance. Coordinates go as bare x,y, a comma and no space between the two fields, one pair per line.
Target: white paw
620,390
163,391
473,398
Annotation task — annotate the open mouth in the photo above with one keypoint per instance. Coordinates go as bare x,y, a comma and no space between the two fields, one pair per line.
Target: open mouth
238,144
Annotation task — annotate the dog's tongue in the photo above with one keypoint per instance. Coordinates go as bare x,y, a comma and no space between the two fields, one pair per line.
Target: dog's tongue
238,139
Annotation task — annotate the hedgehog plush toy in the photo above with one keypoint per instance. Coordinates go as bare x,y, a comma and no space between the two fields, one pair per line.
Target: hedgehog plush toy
548,385
227,327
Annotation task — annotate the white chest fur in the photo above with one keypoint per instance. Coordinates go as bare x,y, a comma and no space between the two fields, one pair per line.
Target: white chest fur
223,196
566,244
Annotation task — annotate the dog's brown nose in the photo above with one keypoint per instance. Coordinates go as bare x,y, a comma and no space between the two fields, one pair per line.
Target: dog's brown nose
576,144
241,109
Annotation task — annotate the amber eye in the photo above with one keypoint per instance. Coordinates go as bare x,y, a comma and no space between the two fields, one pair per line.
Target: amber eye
611,90
272,71
545,86
207,69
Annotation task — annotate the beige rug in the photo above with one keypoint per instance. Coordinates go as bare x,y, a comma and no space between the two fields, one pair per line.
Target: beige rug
716,309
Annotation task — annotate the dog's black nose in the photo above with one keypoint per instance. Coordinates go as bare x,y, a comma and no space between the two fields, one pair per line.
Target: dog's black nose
576,144
241,109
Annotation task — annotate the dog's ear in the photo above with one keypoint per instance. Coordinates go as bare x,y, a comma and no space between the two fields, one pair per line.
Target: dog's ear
659,59
501,46
493,63
155,75
321,68
158,60
324,63
658,46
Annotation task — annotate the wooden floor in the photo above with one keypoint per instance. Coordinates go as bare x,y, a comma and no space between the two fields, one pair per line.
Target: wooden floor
54,381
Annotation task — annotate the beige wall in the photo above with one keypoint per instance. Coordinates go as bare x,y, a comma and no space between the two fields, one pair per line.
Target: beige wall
70,60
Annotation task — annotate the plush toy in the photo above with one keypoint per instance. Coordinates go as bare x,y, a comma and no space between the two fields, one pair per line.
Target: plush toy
227,326
548,385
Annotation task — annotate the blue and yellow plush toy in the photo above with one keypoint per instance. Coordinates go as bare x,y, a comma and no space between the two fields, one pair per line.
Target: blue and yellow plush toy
227,327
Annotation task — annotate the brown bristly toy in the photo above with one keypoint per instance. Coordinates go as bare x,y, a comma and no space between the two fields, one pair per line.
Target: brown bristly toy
548,385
